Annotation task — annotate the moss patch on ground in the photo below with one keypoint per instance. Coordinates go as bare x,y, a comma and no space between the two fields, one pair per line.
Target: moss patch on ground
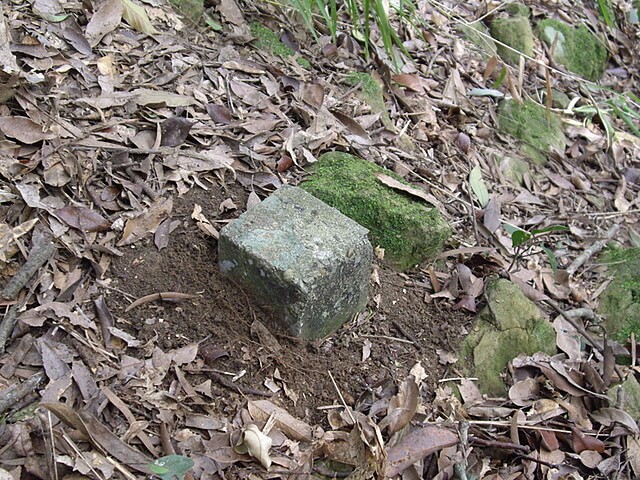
620,302
515,32
267,39
508,326
539,129
407,228
370,93
576,48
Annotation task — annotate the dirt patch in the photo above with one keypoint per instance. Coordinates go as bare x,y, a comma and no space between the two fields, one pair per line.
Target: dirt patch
399,328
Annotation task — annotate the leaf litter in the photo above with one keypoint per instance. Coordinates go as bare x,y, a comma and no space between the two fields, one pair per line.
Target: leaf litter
101,156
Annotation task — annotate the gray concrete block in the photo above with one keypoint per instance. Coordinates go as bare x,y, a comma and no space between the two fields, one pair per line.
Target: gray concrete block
302,257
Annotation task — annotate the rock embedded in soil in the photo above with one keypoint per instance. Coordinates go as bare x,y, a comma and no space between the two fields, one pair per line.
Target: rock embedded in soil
407,228
302,258
515,32
508,326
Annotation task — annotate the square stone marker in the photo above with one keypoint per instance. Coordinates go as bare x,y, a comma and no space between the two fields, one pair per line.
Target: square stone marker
302,257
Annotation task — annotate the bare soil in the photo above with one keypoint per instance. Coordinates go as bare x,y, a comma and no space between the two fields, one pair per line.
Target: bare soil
400,327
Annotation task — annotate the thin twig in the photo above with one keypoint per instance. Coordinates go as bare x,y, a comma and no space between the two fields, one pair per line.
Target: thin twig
39,255
497,444
592,250
6,327
12,395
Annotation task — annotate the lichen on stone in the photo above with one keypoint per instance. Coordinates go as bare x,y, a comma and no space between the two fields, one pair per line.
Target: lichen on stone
539,129
408,229
515,32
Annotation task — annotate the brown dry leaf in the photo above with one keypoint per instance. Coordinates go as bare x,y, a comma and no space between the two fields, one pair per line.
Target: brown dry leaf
621,203
24,130
567,338
104,21
100,436
416,446
633,454
261,410
411,81
219,113
312,93
582,442
354,127
82,218
416,192
175,131
608,416
523,393
146,222
229,10
402,407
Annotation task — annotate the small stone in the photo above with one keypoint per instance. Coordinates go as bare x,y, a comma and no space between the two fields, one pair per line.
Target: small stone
303,258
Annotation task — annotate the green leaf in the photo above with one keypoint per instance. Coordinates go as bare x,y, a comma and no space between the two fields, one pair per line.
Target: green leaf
478,186
171,466
136,16
607,13
552,228
519,237
501,77
553,260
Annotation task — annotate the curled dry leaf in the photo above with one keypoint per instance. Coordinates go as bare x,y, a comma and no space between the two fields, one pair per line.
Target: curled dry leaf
255,443
103,21
262,410
402,407
24,130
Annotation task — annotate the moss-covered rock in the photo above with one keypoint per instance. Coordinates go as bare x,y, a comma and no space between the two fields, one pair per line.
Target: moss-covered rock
629,396
508,326
267,39
515,32
518,9
407,228
539,129
576,48
620,302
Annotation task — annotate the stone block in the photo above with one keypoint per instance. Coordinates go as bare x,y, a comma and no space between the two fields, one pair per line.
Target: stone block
303,258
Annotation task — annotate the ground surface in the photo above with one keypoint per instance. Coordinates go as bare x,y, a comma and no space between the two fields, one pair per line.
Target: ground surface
129,137
222,317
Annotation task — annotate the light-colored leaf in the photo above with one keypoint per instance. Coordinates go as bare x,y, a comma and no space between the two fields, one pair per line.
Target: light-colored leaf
256,444
478,186
136,16
103,21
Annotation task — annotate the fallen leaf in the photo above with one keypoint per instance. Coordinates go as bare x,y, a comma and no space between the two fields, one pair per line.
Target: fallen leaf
136,16
402,407
175,131
146,222
416,192
82,218
261,410
415,446
24,130
104,21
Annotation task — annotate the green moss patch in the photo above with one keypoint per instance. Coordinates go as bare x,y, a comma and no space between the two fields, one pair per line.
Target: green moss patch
370,93
408,229
539,129
576,48
620,302
515,32
508,326
267,39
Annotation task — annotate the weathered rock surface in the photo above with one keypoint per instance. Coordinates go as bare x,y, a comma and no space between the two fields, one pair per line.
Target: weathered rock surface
509,325
515,32
301,257
408,229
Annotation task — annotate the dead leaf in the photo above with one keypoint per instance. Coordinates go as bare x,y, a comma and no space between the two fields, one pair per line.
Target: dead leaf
24,129
82,218
402,407
147,222
136,16
261,410
416,446
416,192
229,10
175,131
104,21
